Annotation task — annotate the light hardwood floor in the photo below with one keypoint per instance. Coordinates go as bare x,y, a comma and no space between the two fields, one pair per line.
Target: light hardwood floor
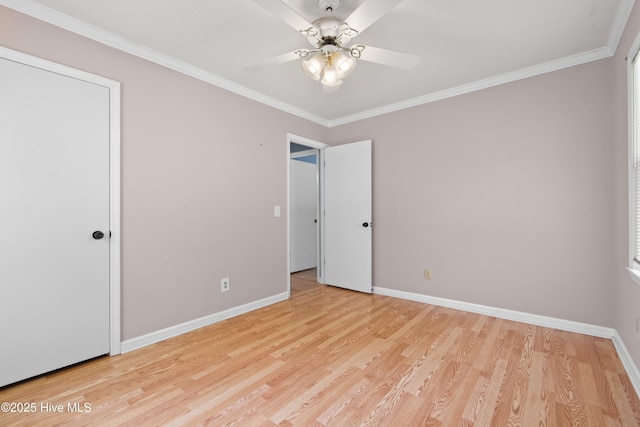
330,356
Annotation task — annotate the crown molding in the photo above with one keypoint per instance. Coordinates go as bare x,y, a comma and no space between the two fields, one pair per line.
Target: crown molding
617,28
43,13
619,22
39,11
523,73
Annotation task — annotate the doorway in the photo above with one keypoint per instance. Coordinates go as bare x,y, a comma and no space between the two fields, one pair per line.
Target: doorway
344,213
304,200
304,208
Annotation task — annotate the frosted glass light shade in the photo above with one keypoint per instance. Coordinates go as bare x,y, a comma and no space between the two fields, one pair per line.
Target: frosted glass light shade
344,64
329,67
330,76
313,67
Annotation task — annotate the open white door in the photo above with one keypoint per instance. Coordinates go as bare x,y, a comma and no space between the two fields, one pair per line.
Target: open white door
347,216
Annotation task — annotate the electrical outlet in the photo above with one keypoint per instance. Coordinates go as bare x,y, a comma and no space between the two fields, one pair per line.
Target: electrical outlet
427,274
224,284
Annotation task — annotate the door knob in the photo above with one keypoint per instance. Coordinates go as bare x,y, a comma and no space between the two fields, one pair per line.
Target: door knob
97,235
365,224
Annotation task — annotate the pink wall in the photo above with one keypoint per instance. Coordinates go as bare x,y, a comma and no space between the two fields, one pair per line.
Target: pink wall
505,194
202,169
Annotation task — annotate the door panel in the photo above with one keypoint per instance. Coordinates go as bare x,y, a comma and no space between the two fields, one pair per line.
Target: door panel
54,187
347,206
304,206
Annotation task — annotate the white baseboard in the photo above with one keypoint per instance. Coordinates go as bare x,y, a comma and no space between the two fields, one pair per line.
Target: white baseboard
549,322
173,331
627,362
518,316
534,319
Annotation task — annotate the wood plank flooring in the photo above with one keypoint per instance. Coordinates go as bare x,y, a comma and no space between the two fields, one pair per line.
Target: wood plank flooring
332,357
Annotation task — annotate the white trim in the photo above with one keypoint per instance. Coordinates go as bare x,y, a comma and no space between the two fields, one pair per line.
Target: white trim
321,218
634,273
533,319
61,20
619,22
301,140
630,154
517,316
176,330
114,176
114,217
627,361
524,73
632,267
316,145
304,153
76,26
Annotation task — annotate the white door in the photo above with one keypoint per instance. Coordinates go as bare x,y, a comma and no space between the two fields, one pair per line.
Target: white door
304,207
54,194
347,222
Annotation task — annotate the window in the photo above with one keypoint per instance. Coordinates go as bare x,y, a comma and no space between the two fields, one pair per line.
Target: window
634,164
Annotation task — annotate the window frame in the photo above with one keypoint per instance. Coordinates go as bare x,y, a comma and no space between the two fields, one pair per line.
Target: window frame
633,60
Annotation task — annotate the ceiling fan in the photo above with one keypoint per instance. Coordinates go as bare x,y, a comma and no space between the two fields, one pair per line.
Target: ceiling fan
332,57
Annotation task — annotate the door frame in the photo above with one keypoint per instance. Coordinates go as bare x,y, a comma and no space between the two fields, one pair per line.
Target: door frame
114,178
312,144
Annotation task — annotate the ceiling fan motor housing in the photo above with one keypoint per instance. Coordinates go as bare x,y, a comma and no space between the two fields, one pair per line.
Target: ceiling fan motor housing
328,26
328,29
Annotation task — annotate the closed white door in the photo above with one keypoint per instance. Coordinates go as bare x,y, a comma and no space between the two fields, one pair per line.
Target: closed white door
54,194
347,222
304,207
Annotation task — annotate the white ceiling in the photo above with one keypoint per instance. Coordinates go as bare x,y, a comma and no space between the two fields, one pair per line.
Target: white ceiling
464,45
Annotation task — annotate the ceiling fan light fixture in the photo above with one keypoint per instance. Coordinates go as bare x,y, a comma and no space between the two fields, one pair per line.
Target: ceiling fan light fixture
332,58
344,64
329,67
330,76
313,67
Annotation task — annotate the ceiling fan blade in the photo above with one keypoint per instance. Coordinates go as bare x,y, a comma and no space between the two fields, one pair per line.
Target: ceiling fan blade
284,12
369,12
392,58
275,60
